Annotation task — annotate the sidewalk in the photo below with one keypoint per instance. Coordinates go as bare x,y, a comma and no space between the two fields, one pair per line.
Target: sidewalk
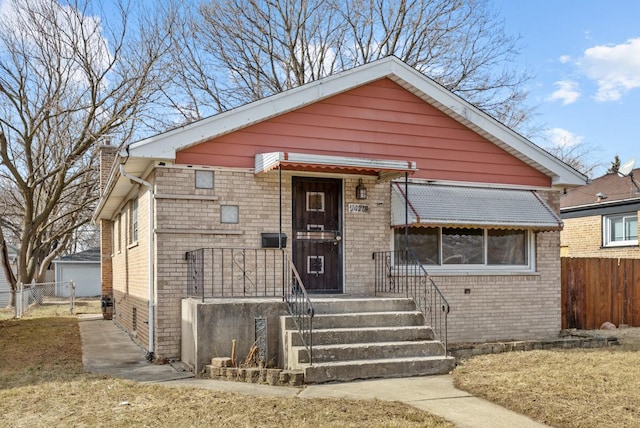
106,349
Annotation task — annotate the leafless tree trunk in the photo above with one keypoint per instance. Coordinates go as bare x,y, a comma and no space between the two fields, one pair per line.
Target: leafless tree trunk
67,79
249,49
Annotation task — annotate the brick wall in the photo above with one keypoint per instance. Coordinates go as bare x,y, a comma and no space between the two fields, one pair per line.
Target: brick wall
582,237
498,307
509,306
131,268
365,233
185,224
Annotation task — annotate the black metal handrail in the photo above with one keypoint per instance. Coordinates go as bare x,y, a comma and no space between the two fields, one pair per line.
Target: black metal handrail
300,306
401,272
243,272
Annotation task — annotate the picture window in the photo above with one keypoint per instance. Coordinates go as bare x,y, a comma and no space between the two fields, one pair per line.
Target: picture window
470,247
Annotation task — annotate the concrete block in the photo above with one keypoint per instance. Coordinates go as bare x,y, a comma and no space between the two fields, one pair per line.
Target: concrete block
221,362
283,377
232,373
296,378
242,374
272,376
252,375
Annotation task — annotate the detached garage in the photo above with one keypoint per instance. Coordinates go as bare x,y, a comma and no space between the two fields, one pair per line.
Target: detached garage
5,289
83,269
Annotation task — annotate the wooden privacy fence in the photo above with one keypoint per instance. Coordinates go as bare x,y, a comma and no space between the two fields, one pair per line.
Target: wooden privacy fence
595,290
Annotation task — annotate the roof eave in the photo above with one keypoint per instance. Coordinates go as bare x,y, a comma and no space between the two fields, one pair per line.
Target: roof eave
118,187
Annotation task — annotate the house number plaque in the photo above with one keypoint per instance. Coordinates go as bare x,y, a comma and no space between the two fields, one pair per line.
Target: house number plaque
358,208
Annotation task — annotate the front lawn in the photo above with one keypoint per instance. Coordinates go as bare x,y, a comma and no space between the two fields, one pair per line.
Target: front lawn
563,388
42,384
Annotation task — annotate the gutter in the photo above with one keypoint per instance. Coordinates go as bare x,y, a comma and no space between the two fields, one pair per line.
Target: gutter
151,258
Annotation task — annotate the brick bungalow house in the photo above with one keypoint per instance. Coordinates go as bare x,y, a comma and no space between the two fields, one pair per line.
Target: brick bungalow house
360,162
601,218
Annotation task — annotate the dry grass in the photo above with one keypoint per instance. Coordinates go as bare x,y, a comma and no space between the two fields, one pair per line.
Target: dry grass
57,309
563,388
42,384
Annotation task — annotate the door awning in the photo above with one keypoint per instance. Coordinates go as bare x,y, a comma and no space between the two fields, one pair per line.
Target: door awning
462,206
385,169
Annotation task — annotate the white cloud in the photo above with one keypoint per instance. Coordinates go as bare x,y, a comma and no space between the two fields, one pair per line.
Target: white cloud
564,59
567,92
559,137
615,68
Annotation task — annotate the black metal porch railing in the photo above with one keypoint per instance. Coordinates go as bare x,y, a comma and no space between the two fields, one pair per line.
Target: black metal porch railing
401,272
242,272
235,272
299,305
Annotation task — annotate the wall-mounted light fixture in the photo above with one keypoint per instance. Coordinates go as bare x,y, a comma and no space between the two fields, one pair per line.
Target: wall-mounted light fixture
361,191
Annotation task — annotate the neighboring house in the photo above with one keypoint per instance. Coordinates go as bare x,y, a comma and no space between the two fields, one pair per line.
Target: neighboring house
83,269
601,218
482,208
5,289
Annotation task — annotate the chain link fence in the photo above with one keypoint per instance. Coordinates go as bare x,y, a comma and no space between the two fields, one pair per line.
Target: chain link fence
47,293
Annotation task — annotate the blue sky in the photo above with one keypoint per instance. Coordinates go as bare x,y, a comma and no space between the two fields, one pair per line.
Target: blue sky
585,58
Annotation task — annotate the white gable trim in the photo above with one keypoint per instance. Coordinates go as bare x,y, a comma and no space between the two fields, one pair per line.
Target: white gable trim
165,146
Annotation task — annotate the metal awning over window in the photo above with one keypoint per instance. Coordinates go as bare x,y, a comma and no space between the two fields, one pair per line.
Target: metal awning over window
385,169
461,206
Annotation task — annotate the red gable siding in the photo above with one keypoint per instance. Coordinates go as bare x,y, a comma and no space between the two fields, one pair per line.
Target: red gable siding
377,121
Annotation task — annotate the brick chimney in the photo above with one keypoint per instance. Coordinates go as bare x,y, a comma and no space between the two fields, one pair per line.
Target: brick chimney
108,154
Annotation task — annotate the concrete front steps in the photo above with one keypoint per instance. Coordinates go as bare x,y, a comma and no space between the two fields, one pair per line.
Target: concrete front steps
364,338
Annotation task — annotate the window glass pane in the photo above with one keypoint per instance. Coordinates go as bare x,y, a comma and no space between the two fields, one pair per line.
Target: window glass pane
422,240
229,214
616,229
507,247
204,179
462,246
631,228
133,233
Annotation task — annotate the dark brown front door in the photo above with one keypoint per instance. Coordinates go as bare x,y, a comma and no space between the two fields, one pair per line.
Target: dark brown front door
317,233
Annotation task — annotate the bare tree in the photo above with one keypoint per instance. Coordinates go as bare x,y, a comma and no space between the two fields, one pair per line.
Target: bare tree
234,51
580,156
67,79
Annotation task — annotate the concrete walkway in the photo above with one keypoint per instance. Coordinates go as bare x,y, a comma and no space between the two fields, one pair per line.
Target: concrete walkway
106,349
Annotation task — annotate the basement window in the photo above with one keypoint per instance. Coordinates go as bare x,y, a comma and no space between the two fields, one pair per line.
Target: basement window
134,319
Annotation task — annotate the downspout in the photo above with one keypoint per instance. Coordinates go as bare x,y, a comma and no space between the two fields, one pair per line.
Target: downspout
151,257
